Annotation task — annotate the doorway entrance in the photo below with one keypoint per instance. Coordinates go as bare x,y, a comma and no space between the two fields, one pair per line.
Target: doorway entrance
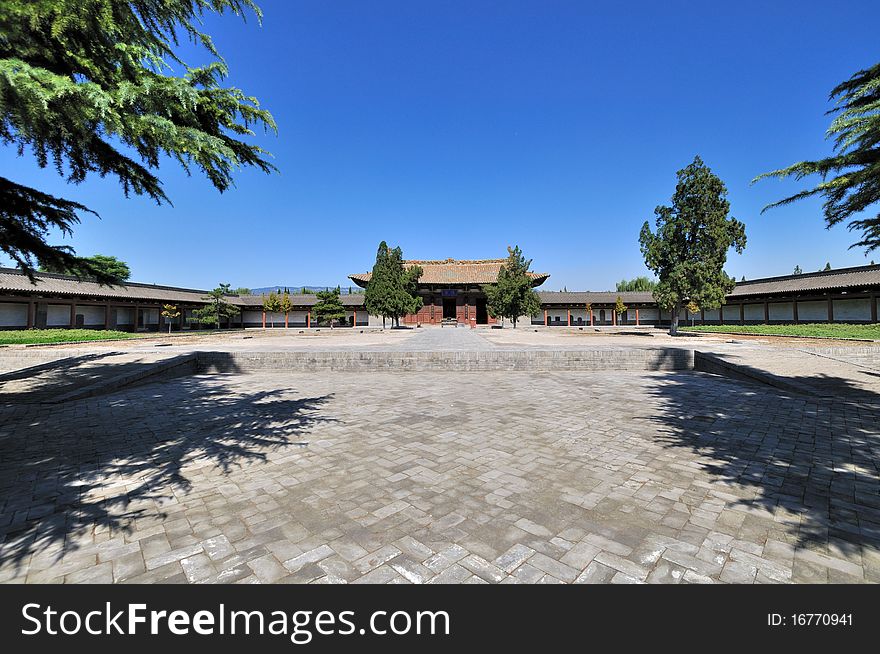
448,308
482,313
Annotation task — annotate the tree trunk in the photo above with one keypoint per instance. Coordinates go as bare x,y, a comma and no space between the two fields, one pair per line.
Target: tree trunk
673,323
169,327
513,320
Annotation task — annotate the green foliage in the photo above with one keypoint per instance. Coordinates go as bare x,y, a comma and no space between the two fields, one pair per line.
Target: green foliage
271,305
329,307
218,309
101,265
819,330
827,267
169,312
36,336
797,270
636,284
241,290
285,304
512,295
850,177
619,307
393,288
689,249
89,87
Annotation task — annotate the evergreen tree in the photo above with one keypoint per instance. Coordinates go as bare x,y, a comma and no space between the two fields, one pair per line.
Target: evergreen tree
512,295
103,266
329,307
377,299
850,178
406,299
827,266
392,291
797,270
218,308
285,306
86,86
271,305
636,284
689,249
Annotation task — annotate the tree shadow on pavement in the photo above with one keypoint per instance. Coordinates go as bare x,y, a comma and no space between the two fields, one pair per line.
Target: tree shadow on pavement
84,467
812,462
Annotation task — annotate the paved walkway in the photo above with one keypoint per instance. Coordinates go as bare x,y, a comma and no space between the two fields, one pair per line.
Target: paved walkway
444,339
441,477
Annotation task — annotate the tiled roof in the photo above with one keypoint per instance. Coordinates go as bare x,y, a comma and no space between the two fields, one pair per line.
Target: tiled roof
452,271
14,281
858,277
594,297
298,300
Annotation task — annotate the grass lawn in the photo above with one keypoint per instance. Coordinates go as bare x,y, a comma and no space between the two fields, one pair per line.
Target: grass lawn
827,330
29,336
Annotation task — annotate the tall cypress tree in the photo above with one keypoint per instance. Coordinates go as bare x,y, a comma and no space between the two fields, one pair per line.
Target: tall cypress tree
378,297
512,295
392,289
689,249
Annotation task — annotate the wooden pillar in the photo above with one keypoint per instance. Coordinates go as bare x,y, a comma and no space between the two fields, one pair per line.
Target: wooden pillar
545,317
309,319
721,315
264,320
32,310
591,317
354,323
137,311
72,315
742,313
702,316
794,312
569,317
286,320
830,309
613,318
873,308
107,316
637,317
766,313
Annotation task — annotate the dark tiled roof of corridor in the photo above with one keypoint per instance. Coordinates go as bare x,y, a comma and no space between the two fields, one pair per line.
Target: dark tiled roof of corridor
861,276
594,297
298,300
452,271
13,280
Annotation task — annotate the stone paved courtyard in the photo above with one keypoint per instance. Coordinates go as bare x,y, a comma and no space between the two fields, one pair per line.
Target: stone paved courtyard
618,477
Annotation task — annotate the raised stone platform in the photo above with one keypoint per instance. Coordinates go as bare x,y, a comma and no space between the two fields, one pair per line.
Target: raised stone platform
474,360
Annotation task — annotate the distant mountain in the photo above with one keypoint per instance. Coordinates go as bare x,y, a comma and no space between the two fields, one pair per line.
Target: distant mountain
297,288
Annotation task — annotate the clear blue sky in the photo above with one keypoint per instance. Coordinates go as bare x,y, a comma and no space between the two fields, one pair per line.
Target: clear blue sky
456,128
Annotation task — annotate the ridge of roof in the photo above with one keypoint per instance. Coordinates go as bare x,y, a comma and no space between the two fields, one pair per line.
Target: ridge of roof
818,273
125,284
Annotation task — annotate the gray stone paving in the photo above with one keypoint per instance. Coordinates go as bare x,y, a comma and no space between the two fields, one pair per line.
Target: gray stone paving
610,477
